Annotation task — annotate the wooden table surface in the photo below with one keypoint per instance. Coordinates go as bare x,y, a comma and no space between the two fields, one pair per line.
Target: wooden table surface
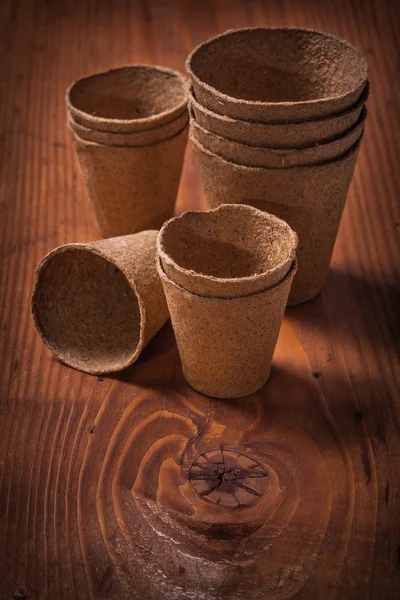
92,469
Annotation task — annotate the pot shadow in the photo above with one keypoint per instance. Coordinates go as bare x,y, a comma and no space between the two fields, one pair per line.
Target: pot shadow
293,393
158,365
356,307
296,399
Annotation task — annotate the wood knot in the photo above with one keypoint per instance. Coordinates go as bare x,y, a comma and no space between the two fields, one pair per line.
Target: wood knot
227,477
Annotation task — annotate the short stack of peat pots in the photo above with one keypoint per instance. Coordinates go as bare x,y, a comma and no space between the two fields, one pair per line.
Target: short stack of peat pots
277,118
227,274
129,127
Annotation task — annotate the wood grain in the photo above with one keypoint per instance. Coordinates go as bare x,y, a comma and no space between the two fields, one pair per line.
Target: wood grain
96,495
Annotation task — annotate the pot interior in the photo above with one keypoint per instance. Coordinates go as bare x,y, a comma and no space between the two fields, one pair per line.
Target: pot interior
128,93
87,311
232,242
279,65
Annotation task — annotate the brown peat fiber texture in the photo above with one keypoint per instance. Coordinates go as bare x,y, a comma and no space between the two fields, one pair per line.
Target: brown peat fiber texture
279,135
226,344
128,99
136,138
233,250
271,158
97,305
132,188
310,199
124,486
277,75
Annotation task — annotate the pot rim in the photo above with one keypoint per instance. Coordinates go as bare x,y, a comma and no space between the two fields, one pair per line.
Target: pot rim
222,98
165,258
86,247
146,122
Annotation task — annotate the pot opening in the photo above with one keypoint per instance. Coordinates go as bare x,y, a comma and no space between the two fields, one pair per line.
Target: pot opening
231,242
279,65
128,93
87,312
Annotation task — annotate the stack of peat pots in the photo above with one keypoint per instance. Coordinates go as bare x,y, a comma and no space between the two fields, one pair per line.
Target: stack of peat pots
129,127
277,118
227,275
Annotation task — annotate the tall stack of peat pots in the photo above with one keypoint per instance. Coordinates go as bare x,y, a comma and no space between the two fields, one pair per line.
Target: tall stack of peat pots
277,117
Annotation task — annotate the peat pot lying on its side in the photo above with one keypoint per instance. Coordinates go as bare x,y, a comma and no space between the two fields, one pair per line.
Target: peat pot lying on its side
97,305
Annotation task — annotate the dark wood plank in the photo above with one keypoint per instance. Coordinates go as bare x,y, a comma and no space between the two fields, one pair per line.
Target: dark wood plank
96,484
